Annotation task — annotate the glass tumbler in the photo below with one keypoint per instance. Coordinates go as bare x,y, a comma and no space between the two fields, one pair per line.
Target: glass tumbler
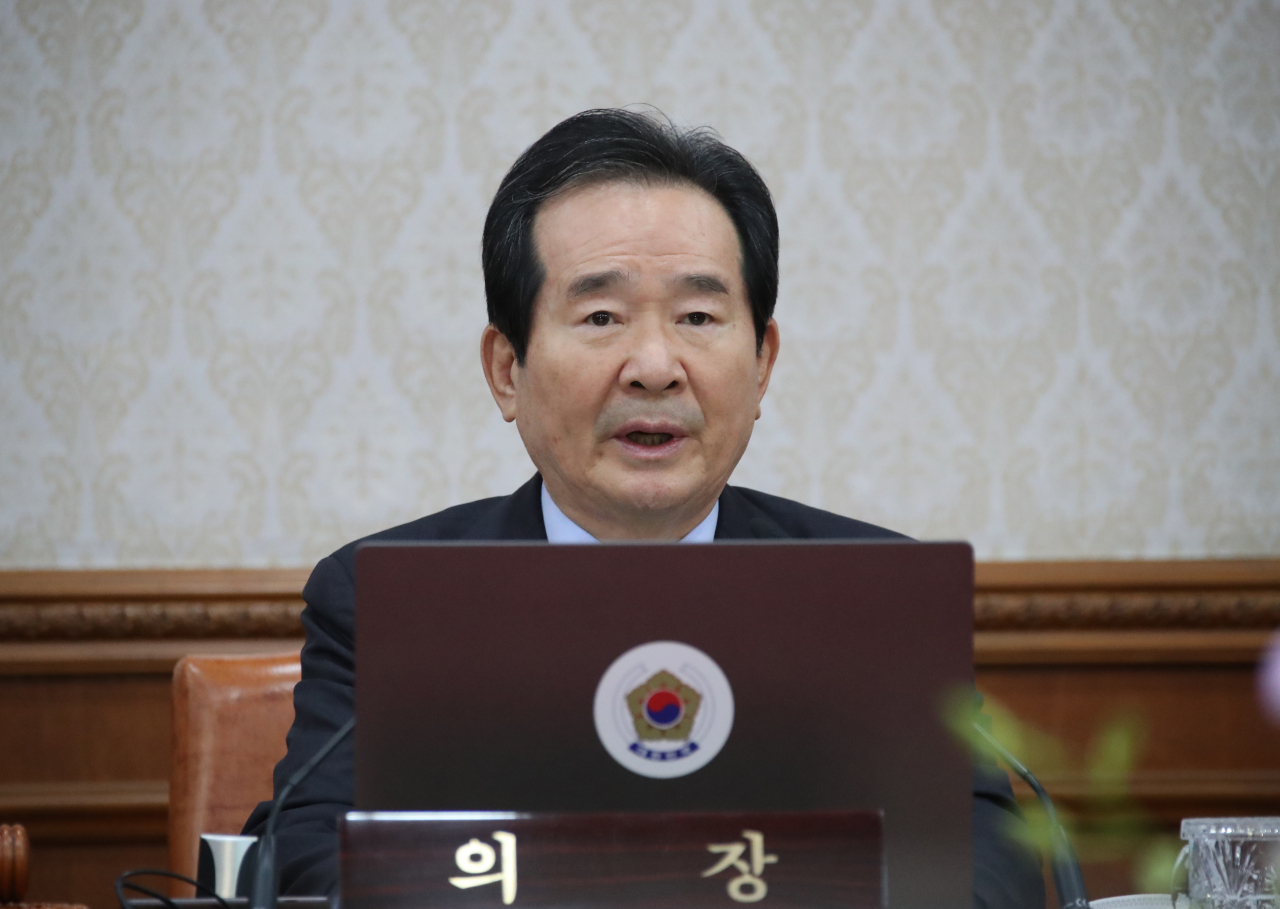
1229,862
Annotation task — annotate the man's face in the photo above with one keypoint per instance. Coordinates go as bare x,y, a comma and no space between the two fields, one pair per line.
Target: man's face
642,381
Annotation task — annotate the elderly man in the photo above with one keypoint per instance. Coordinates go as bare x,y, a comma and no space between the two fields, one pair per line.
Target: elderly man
631,271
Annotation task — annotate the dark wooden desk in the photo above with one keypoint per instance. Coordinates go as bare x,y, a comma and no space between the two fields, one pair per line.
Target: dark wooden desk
239,902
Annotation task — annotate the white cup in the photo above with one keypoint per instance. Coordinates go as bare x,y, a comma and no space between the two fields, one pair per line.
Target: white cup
228,855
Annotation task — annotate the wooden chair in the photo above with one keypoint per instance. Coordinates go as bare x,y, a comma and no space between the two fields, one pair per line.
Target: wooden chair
230,717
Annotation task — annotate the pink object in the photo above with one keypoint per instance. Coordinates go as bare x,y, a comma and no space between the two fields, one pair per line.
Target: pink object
1269,681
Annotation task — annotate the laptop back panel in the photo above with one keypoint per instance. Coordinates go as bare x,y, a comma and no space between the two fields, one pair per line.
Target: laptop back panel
478,665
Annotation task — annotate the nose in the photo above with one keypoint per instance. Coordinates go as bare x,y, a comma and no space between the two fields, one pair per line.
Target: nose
652,362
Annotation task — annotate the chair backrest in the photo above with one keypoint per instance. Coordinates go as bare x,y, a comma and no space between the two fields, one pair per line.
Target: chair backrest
230,717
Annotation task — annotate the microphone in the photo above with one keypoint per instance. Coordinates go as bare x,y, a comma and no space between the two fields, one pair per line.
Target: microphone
1067,879
266,879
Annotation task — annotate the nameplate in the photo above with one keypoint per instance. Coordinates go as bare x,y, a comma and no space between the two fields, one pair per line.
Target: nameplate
472,860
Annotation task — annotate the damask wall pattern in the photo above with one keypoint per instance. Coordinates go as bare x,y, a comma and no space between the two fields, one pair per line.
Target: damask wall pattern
1030,278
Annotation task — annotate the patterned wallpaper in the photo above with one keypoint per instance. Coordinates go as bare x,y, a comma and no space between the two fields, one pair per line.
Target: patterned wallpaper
1030,277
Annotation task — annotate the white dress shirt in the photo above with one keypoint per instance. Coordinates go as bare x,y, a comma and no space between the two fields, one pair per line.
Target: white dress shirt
560,529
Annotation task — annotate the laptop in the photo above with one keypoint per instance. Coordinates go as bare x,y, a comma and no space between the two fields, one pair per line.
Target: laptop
735,676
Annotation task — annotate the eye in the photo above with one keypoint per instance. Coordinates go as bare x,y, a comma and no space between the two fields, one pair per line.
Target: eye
697,318
600,319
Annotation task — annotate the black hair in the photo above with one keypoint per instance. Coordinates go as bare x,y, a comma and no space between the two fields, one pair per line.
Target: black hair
601,146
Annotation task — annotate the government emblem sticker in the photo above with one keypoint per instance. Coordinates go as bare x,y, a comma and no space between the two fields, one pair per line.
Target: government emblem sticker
663,709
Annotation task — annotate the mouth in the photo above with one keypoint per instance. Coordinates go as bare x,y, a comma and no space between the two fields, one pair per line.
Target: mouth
649,439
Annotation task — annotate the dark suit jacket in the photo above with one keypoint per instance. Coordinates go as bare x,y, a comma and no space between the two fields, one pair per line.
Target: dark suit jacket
1006,875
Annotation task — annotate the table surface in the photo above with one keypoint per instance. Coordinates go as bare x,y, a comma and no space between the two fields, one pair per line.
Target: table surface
239,902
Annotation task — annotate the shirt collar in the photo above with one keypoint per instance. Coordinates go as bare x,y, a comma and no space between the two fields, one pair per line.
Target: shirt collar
560,529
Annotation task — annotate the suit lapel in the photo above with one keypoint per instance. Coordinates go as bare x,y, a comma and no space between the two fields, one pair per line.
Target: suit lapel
516,517
741,520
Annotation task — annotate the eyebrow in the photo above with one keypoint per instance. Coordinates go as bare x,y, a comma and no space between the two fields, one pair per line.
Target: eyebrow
586,285
707,284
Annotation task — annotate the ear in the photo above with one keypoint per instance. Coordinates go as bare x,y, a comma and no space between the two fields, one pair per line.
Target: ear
501,371
765,359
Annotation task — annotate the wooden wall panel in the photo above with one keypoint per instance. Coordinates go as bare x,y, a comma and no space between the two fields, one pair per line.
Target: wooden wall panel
1182,710
75,727
86,659
1204,747
85,872
85,759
